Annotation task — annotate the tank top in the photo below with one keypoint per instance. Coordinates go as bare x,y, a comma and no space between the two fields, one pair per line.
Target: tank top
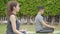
9,26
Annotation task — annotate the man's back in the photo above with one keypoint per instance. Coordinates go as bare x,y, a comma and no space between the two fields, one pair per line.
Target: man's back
38,24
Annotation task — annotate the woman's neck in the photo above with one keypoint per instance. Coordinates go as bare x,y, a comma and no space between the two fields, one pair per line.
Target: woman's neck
14,12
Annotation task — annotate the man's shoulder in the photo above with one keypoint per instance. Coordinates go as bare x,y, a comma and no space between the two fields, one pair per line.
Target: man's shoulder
39,16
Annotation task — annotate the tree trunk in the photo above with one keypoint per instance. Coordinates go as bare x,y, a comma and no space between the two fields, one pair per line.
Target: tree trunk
45,19
52,22
1,20
59,20
28,20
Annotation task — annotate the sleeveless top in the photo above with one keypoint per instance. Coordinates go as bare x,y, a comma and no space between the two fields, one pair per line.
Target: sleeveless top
9,26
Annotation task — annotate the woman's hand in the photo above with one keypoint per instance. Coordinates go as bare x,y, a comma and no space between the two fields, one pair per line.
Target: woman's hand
23,30
21,33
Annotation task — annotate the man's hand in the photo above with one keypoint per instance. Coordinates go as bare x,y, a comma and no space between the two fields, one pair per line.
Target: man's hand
51,27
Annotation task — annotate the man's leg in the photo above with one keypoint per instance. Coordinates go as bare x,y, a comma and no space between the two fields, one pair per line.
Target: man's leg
51,30
46,30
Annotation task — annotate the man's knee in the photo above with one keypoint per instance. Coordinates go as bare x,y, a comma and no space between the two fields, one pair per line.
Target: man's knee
52,29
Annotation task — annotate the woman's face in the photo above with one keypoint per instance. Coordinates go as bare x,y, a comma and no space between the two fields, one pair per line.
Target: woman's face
17,8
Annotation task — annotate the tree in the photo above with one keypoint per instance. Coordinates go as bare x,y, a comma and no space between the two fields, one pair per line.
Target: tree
30,7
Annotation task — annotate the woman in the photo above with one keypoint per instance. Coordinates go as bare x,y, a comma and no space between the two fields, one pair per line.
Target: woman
13,23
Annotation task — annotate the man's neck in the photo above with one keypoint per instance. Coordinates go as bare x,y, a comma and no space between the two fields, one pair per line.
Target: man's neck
39,13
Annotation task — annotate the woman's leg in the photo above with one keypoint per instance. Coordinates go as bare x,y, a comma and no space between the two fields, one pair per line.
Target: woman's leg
24,32
49,33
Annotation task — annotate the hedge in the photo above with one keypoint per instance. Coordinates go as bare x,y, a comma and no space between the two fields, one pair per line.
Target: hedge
30,7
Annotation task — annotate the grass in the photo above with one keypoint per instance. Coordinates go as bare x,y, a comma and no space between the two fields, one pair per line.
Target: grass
28,27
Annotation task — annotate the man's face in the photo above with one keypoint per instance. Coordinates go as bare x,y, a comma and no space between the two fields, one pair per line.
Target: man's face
41,11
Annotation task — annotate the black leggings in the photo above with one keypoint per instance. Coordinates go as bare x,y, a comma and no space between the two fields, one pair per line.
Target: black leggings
46,30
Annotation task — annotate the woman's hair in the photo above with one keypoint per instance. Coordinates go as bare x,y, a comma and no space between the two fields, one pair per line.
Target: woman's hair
10,6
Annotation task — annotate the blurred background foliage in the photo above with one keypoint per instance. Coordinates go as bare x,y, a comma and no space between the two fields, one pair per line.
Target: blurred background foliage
30,7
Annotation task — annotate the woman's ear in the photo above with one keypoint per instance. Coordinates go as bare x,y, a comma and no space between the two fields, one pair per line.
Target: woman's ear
14,8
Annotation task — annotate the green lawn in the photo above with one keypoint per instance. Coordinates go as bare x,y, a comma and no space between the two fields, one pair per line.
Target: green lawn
28,27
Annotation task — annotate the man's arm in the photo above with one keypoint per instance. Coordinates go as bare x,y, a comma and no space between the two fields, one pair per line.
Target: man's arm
43,23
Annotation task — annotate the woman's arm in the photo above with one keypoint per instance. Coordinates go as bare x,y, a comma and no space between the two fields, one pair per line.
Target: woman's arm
13,23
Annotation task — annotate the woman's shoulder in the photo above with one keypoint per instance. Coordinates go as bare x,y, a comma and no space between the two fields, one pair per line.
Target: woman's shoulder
12,16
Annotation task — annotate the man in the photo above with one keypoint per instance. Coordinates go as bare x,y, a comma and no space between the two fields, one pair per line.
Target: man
41,26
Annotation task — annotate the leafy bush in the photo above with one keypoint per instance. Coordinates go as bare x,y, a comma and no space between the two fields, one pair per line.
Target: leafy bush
30,7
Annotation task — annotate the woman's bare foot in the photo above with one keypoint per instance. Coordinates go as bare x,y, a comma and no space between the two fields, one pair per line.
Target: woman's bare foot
49,33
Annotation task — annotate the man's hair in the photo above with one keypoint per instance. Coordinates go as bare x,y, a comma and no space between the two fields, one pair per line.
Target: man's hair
40,7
